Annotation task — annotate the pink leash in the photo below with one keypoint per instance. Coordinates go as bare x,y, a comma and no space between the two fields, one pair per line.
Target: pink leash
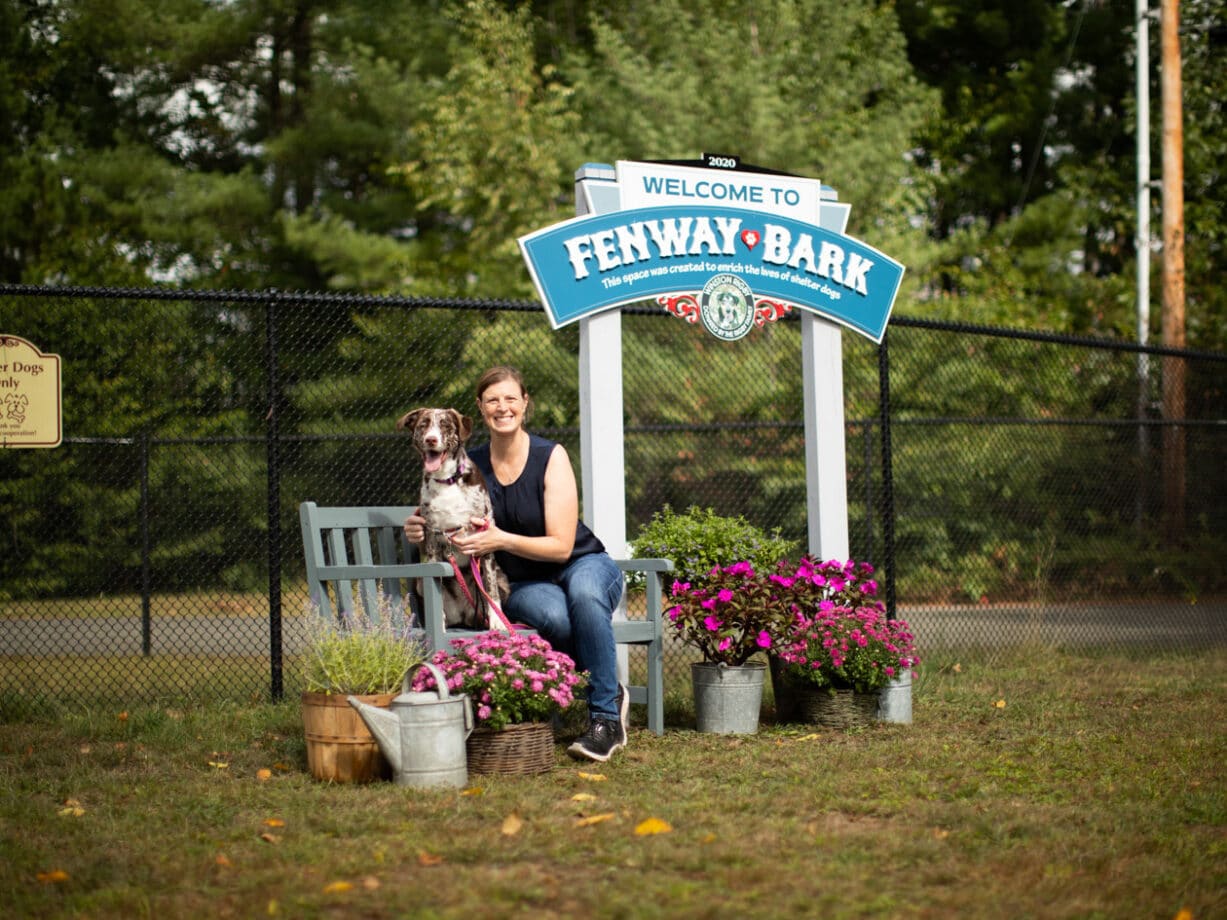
475,567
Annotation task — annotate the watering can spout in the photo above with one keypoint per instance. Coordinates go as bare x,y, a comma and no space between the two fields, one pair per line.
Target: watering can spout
385,726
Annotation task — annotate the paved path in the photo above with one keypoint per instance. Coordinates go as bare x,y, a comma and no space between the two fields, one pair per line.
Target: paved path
1150,625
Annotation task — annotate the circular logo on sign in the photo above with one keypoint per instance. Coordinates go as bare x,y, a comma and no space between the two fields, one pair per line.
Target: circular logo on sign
727,307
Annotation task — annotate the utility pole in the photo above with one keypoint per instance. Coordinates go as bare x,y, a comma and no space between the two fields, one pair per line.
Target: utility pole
1142,45
1173,275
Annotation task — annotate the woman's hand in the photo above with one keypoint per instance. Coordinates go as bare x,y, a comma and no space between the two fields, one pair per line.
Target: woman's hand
480,538
415,529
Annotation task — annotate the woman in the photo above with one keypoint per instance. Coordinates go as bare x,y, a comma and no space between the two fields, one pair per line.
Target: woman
563,583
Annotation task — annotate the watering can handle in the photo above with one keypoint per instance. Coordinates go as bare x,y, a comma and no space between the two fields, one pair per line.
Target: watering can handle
440,681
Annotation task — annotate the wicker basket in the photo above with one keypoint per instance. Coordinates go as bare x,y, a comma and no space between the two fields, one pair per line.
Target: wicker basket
834,710
524,748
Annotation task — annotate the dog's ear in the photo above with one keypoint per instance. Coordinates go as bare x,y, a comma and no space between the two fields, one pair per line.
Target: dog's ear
464,425
409,420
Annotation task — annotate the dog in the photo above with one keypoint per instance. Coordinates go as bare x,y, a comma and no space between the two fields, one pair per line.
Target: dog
453,493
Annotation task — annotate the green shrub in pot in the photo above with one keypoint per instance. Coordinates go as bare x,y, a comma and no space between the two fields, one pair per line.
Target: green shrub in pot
700,540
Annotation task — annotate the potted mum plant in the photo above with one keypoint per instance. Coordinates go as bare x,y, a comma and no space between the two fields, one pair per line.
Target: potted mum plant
838,650
731,616
517,683
356,655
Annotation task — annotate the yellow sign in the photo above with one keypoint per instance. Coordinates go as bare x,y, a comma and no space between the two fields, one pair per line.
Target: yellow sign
30,402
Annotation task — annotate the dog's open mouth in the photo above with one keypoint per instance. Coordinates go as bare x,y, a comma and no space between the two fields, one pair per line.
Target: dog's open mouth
432,460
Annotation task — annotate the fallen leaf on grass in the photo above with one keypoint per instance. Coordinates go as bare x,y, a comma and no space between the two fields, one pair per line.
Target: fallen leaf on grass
71,811
270,838
1184,914
283,767
652,826
428,859
84,749
812,736
273,822
55,875
1000,704
223,860
512,824
940,833
583,797
264,774
592,777
123,716
594,819
370,883
473,790
218,764
338,887
709,838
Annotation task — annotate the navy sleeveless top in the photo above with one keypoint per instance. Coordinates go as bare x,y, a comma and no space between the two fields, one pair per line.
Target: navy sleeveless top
520,508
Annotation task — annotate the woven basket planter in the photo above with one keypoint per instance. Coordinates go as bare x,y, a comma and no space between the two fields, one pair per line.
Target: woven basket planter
835,710
810,705
524,748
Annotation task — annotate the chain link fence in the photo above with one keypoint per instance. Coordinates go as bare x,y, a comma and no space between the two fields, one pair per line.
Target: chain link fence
1011,488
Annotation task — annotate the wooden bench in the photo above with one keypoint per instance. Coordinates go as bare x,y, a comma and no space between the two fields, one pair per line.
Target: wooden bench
359,550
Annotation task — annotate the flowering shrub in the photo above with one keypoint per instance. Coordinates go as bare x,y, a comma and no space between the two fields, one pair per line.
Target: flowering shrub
837,635
731,615
510,677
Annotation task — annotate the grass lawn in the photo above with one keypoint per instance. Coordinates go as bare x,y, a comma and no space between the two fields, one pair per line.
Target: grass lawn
1045,785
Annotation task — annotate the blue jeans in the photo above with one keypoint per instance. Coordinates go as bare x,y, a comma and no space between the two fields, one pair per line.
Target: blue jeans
575,615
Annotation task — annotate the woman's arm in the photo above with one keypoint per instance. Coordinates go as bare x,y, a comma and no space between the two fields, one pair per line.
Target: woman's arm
561,516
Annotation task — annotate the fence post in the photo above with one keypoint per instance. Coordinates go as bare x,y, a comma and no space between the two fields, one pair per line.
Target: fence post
888,481
273,452
146,619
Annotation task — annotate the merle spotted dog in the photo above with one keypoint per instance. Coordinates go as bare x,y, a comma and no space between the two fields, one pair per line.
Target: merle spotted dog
453,493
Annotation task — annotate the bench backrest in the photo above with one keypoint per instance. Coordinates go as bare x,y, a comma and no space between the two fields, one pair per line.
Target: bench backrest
362,551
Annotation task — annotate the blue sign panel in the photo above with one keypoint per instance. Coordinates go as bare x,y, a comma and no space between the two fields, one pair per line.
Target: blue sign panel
729,258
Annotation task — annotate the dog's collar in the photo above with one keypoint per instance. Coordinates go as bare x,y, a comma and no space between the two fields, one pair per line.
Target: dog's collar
461,469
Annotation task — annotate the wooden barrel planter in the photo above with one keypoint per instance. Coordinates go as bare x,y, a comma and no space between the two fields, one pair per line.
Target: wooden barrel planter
340,748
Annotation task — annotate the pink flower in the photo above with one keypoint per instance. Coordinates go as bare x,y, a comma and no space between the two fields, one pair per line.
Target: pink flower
764,639
712,623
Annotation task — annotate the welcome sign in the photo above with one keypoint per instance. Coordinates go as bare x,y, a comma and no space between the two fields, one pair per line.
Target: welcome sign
730,247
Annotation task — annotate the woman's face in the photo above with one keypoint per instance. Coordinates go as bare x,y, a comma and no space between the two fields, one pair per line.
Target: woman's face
502,406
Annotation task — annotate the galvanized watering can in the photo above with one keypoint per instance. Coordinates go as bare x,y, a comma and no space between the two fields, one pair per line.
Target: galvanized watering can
422,735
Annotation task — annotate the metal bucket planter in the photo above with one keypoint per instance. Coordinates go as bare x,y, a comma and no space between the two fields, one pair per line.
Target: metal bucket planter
895,700
727,699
